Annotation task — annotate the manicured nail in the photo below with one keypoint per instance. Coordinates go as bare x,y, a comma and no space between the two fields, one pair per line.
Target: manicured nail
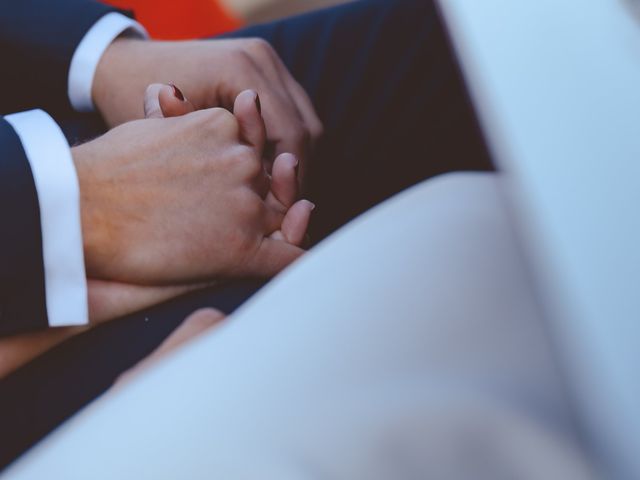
177,92
294,160
258,104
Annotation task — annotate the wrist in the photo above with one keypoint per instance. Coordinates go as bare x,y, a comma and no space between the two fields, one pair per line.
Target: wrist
120,80
97,244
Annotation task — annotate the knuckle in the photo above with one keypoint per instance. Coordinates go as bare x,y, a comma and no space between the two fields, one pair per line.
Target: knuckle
222,115
248,163
221,121
258,46
205,116
253,168
245,62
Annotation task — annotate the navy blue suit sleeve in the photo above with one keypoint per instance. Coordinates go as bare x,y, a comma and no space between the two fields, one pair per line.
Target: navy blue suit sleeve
37,41
22,287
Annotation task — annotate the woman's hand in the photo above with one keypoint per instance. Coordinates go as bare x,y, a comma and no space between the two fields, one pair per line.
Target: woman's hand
211,73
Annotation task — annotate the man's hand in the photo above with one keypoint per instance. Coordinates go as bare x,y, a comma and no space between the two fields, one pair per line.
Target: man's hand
183,200
109,299
211,73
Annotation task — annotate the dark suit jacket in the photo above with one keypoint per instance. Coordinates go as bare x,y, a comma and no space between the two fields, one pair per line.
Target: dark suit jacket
37,41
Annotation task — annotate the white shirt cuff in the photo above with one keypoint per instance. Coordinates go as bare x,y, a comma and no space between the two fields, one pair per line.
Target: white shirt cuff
59,198
87,56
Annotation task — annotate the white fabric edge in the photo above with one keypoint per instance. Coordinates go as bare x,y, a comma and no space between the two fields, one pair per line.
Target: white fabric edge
89,52
58,190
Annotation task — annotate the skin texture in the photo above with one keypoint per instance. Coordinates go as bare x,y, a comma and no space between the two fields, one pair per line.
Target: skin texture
210,73
110,299
170,205
181,200
164,101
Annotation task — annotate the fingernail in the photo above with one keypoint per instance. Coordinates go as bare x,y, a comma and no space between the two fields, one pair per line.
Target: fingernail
258,104
177,92
294,160
312,206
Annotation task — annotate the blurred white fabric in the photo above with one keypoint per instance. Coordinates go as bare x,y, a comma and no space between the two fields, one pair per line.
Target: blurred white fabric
555,86
407,346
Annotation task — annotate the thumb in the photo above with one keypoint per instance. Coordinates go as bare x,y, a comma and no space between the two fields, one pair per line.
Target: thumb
164,101
295,223
273,256
173,102
248,112
284,182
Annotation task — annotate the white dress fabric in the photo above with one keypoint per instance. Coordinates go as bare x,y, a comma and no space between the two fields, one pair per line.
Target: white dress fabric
409,345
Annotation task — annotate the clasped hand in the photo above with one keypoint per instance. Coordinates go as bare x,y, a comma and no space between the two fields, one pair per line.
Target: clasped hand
173,203
211,73
170,204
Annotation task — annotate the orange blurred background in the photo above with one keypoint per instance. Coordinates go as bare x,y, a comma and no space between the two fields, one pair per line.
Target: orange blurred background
179,20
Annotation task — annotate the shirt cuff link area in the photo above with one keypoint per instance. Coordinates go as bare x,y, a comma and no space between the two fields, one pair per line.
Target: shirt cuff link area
89,52
58,192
